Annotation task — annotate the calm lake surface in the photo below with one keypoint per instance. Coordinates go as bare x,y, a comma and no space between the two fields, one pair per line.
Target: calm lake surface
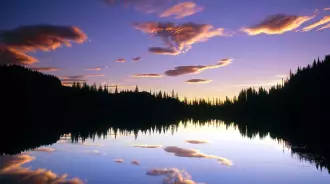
213,153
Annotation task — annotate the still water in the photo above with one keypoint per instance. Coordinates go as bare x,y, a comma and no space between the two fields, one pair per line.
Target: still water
185,154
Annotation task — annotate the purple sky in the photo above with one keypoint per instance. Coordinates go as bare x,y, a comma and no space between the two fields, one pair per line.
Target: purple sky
261,40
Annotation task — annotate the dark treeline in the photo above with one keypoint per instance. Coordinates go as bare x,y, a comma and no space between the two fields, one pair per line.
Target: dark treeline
31,95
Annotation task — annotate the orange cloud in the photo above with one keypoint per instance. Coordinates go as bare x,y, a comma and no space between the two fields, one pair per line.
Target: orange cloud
182,10
147,75
196,141
178,38
25,39
326,9
181,152
324,27
120,60
136,59
11,171
277,24
147,146
13,56
45,69
41,37
198,81
324,20
182,70
172,176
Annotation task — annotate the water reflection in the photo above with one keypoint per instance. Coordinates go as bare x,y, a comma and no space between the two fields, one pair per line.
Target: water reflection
11,171
182,152
172,151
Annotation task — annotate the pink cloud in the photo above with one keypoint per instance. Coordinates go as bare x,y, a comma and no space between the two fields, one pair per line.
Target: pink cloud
182,70
178,38
277,24
182,10
17,42
147,75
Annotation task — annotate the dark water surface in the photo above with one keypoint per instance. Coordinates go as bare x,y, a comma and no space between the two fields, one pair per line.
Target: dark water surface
187,153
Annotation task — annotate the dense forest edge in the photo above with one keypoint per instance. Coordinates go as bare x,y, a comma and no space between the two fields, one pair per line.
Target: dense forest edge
38,109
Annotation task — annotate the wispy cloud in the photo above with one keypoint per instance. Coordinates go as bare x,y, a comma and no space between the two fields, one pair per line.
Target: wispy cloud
45,69
277,24
182,10
182,70
136,59
178,38
182,152
147,75
198,81
147,146
324,20
324,27
94,69
17,42
326,9
11,171
172,176
196,141
120,60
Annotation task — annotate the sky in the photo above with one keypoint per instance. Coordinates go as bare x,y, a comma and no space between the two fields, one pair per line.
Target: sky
199,48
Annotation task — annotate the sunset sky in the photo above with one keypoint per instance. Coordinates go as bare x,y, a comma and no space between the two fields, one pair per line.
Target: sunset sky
199,48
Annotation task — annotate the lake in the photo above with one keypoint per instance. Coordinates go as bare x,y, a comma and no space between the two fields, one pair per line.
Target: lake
186,153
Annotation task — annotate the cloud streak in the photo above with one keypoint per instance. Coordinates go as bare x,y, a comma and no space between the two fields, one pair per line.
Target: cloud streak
120,60
182,152
324,20
324,27
277,24
182,10
11,171
118,160
15,43
93,69
147,146
182,70
172,176
146,6
147,75
178,38
136,59
196,141
45,69
198,81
